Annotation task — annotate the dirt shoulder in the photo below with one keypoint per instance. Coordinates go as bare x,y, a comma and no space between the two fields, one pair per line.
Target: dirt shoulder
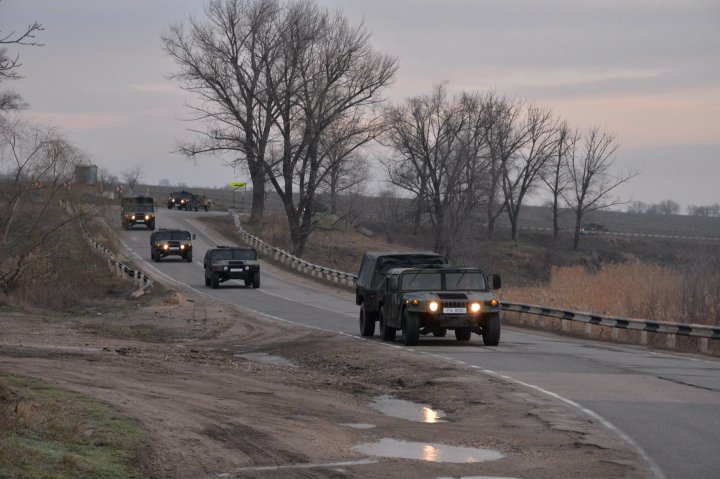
207,384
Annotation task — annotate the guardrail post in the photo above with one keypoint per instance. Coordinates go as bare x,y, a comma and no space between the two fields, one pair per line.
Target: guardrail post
614,334
643,338
704,345
671,340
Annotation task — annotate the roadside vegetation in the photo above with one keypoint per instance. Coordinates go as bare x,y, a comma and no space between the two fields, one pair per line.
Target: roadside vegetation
46,432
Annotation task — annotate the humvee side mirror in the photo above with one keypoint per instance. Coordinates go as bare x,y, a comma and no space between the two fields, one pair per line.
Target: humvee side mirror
496,281
194,236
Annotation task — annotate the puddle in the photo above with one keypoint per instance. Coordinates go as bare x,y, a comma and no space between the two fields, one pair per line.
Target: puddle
427,452
267,359
407,410
360,426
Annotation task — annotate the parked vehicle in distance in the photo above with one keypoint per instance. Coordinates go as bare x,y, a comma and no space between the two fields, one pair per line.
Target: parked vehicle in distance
591,228
171,242
373,268
137,210
435,299
184,200
223,263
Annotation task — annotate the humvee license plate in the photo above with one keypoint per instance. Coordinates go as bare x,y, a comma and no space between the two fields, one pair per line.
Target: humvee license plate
174,248
455,310
235,270
140,220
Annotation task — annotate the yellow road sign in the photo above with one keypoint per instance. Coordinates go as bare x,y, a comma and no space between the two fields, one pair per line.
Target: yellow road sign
235,184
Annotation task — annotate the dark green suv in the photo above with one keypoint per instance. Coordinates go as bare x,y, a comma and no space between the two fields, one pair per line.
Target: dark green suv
167,242
231,262
433,299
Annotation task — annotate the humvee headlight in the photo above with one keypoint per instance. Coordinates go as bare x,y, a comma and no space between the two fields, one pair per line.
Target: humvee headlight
147,217
493,302
475,307
247,268
166,246
433,306
182,246
225,268
132,217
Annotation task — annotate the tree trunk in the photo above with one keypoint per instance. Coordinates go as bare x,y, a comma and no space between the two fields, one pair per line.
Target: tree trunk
556,226
578,223
257,210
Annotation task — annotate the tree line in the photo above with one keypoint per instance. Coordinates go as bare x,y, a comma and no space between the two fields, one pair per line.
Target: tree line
295,92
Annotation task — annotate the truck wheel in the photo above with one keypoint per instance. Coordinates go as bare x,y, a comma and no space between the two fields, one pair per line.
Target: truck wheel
387,333
214,280
367,323
170,207
248,283
411,330
463,334
151,225
439,332
188,256
491,331
256,280
207,279
157,256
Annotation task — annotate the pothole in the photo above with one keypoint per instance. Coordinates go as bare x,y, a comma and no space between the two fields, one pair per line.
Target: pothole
409,410
423,451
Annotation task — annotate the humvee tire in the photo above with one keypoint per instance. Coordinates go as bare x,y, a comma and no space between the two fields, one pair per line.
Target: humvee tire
463,334
367,325
387,333
411,330
491,331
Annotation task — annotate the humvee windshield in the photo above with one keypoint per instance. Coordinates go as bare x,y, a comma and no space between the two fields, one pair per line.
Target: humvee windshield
453,281
245,254
142,208
172,235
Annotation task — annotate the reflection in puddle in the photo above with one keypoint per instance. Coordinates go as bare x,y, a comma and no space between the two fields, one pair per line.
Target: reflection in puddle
407,410
267,359
427,452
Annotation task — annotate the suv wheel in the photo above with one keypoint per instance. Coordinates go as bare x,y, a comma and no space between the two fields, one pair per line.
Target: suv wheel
207,279
463,334
157,257
367,324
387,333
256,280
188,256
411,330
491,331
214,280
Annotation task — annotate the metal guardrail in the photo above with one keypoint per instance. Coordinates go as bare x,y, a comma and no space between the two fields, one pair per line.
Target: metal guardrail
293,262
137,276
680,329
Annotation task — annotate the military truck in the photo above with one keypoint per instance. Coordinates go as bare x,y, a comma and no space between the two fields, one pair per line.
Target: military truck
223,263
184,200
373,268
171,242
436,298
138,210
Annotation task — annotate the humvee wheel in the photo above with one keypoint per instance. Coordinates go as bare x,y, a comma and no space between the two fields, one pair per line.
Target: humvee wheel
157,256
207,280
367,325
439,332
248,283
188,257
411,330
463,334
387,333
215,280
256,280
491,331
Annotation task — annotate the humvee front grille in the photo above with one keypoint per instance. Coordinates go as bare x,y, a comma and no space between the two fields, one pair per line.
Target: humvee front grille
454,304
235,263
174,244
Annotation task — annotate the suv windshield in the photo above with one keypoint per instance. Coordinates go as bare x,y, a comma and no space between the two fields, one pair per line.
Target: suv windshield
246,254
172,235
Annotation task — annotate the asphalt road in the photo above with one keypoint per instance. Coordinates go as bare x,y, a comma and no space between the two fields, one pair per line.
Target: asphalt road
666,406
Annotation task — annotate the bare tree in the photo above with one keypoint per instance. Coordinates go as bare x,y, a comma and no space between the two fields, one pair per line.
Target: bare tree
591,178
326,72
132,175
9,65
520,171
164,182
223,61
555,175
35,163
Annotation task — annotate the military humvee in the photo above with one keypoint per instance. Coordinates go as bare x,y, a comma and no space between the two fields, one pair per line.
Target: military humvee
167,242
231,262
139,210
434,299
372,271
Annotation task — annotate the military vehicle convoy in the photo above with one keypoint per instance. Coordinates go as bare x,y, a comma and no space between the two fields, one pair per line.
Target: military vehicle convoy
184,200
231,262
171,242
138,210
419,293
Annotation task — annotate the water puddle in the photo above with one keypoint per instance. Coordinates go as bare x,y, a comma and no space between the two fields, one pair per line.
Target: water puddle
393,448
407,410
267,359
359,426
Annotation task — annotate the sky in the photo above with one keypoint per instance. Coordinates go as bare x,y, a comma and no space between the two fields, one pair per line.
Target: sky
646,70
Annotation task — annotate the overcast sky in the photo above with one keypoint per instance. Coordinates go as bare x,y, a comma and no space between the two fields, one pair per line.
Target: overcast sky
647,70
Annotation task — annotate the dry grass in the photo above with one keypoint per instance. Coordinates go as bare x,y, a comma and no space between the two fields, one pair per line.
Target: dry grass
632,289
